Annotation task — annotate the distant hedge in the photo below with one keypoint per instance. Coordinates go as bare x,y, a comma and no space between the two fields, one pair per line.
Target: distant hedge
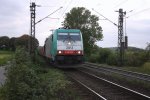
7,43
133,57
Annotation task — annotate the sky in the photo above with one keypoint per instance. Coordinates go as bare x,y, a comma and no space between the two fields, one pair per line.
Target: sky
15,18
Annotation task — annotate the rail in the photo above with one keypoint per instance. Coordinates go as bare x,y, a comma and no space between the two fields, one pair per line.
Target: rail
104,89
136,75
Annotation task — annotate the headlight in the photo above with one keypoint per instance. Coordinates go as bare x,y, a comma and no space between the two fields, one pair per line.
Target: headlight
59,52
79,52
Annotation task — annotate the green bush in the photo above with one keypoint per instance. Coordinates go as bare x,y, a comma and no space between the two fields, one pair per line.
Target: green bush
103,55
135,58
93,58
27,81
112,59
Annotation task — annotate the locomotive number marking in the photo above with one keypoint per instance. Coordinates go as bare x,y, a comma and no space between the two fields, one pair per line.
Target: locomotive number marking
69,47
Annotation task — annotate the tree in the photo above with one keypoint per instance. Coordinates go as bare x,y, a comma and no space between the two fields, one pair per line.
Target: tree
4,42
24,41
104,53
81,18
12,44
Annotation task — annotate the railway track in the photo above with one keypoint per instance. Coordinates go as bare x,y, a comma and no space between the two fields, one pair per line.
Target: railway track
130,74
103,89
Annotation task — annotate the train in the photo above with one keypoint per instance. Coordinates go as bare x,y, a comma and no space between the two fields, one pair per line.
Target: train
63,46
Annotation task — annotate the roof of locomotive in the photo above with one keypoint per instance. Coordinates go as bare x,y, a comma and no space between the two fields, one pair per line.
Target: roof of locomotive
67,30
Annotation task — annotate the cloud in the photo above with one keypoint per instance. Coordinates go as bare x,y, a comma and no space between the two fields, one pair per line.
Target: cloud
13,18
140,26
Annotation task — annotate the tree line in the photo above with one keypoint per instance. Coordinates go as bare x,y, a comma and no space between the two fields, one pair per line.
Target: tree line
7,43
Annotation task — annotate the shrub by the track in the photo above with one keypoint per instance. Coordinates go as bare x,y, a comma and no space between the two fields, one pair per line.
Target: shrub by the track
28,81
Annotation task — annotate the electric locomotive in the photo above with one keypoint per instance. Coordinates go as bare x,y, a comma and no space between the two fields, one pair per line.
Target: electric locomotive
64,46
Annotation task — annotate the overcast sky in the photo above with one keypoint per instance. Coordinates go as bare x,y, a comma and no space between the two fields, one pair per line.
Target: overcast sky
15,18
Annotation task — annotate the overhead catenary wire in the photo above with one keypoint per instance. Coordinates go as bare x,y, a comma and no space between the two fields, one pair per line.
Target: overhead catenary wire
141,11
105,17
48,15
45,6
121,3
62,15
67,7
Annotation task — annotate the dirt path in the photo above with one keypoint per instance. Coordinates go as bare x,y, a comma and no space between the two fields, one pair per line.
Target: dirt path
2,76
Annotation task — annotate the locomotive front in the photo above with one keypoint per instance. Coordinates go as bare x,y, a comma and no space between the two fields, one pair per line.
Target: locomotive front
69,46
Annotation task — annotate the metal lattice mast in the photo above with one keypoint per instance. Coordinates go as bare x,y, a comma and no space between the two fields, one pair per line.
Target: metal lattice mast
121,42
32,31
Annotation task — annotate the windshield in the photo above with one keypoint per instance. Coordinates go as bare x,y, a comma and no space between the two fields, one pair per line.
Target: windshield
70,36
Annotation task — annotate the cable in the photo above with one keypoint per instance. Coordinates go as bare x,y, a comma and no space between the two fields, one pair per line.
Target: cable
47,6
139,12
120,3
48,15
64,11
105,17
67,7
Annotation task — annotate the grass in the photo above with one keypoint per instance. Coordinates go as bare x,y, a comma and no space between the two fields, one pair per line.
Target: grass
145,69
5,56
142,69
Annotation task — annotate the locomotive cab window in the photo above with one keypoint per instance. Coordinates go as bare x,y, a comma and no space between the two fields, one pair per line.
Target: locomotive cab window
71,36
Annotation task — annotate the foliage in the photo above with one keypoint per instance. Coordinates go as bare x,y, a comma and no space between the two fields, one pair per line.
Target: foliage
26,81
112,59
93,58
7,43
135,58
81,18
103,55
12,43
24,40
40,60
4,42
148,51
134,49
